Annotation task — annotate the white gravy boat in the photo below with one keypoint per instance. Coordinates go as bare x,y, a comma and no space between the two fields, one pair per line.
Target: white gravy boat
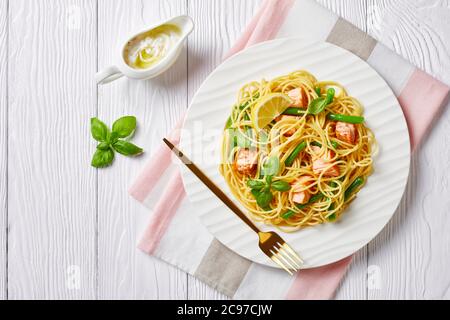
122,68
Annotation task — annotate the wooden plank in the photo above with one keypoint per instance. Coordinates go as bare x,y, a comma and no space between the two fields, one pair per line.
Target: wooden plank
52,55
413,252
354,283
218,25
124,271
3,145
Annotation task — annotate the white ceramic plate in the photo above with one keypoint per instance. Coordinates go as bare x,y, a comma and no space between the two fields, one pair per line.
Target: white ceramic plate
376,202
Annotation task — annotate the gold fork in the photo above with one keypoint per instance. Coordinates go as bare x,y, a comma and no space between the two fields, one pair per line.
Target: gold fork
269,242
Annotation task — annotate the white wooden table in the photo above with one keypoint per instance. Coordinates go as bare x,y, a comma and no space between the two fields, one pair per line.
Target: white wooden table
68,231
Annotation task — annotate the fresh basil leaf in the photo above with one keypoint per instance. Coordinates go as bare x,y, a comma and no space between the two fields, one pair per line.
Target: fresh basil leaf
269,180
102,158
318,91
264,198
255,184
103,146
271,166
124,126
255,193
126,148
317,105
112,137
99,130
281,186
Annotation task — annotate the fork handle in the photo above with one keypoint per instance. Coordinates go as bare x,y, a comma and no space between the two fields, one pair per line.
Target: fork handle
212,186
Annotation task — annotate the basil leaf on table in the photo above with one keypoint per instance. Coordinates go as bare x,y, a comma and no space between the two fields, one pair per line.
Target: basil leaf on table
126,148
112,137
103,146
124,126
110,142
99,130
281,186
102,158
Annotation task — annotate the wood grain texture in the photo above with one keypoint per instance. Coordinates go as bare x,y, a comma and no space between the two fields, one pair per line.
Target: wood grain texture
51,248
124,271
354,283
218,25
3,145
413,252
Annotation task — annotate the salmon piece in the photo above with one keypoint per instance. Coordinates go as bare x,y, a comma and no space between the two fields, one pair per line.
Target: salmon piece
299,195
346,132
246,161
299,98
321,164
290,132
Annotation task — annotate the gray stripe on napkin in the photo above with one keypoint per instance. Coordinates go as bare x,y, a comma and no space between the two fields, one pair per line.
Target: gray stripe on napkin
222,269
347,36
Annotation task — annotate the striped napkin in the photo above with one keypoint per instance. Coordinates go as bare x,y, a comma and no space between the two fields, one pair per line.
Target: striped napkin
176,236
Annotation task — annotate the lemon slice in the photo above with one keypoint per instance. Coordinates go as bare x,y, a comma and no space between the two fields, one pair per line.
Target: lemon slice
270,107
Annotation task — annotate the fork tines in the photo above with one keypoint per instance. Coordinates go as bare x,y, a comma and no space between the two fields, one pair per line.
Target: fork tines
285,257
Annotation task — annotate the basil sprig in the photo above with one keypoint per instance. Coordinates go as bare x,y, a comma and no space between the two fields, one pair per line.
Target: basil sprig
318,105
110,141
262,189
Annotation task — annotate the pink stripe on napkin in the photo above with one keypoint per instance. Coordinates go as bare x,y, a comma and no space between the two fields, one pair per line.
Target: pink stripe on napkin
421,100
156,166
264,25
318,283
163,214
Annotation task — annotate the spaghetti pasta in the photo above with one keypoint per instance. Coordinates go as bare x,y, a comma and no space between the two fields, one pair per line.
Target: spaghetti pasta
317,163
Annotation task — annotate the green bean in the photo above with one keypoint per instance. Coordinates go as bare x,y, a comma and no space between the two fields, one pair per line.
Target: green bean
314,199
330,95
292,111
353,187
345,118
288,214
290,160
333,143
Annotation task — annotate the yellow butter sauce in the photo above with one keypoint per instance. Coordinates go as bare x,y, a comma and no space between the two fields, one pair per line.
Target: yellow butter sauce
148,48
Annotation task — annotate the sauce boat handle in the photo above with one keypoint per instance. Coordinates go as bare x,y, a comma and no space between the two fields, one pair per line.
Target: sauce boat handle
107,75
